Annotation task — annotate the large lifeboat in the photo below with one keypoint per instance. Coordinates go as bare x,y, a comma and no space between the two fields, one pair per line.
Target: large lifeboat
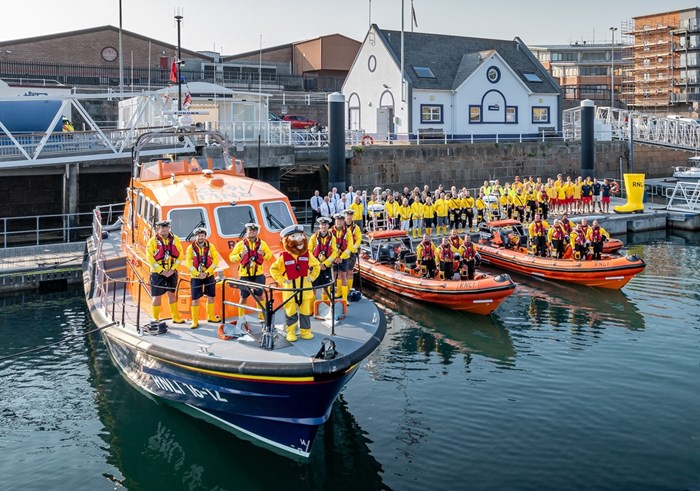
246,378
503,244
388,261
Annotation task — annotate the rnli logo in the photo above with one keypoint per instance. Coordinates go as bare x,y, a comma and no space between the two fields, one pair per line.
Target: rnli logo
637,185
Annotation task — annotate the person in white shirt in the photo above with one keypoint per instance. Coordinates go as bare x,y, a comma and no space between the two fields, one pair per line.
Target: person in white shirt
316,201
350,195
327,208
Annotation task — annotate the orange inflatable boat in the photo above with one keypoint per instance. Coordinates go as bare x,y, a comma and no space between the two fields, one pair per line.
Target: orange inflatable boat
610,271
387,260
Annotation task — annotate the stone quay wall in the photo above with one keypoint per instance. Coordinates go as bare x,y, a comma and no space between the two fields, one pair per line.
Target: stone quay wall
397,166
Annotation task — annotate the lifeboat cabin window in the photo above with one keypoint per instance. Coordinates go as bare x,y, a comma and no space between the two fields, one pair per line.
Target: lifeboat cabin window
231,220
276,215
185,220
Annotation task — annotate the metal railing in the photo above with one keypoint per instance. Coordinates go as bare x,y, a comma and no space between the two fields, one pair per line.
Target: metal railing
44,229
684,197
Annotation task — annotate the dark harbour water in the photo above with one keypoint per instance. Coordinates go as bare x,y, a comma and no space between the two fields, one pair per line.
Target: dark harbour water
563,388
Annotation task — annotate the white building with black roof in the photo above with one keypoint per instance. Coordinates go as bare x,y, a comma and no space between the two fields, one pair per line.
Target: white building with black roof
456,86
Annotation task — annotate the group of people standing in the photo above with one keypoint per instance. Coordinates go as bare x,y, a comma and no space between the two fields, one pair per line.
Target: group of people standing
424,211
586,240
329,254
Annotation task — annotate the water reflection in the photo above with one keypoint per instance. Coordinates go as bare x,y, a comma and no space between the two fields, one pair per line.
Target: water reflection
156,446
427,329
572,307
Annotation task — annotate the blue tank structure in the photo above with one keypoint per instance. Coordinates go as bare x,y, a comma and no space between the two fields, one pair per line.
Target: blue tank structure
28,120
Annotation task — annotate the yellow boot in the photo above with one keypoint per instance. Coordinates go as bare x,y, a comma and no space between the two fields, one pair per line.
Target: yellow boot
338,288
634,186
344,292
305,334
156,312
211,316
429,231
350,284
175,314
195,317
292,333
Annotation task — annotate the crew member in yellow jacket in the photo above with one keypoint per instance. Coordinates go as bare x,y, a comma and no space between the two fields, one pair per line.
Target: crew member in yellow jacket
296,268
163,253
202,259
251,253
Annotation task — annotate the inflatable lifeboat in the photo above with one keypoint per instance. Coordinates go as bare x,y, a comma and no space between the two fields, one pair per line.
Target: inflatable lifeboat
387,260
503,244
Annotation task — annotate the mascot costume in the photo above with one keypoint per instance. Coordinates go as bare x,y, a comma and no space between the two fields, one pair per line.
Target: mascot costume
296,268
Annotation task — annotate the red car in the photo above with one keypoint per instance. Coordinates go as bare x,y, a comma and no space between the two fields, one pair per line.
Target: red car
299,122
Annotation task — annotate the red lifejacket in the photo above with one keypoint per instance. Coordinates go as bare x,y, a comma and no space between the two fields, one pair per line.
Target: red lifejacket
446,254
567,226
296,267
427,252
596,236
323,248
166,247
340,241
455,241
558,234
252,254
580,238
539,228
585,229
469,251
202,260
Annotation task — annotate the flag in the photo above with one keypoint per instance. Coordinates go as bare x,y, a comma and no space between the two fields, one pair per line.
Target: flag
413,15
173,70
187,100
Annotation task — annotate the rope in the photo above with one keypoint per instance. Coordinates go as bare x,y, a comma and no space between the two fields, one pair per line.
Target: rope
47,346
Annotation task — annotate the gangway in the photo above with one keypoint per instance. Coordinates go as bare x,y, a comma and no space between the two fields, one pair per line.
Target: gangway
684,197
652,129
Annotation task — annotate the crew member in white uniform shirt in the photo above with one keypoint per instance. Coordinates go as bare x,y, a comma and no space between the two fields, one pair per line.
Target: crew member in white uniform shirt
316,201
327,208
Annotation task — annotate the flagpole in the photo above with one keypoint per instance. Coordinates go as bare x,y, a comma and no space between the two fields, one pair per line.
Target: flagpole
413,15
403,93
178,18
370,13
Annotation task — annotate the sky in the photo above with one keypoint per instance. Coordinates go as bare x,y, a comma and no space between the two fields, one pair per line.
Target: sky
236,26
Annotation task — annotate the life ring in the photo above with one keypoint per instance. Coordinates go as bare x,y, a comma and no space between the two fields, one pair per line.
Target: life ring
367,140
614,187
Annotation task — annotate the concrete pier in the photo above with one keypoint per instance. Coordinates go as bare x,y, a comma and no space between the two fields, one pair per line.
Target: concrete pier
44,267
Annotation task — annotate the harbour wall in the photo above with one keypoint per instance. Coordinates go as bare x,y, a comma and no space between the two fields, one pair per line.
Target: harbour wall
397,166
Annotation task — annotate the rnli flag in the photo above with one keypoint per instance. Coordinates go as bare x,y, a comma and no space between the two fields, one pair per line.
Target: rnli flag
413,15
187,100
173,70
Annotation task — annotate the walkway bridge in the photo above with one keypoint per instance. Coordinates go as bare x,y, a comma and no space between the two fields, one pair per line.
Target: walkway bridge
97,141
652,129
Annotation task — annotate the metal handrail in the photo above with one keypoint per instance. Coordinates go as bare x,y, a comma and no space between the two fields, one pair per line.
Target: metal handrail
39,232
268,307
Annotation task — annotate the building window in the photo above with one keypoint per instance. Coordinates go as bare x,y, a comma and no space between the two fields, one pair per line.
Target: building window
475,114
531,77
423,72
540,114
511,114
431,113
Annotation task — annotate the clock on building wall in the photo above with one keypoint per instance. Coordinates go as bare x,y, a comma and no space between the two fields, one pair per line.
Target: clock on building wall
493,74
109,53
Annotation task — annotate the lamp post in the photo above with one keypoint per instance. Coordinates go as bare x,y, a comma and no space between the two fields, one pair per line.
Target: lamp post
612,67
178,18
121,62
